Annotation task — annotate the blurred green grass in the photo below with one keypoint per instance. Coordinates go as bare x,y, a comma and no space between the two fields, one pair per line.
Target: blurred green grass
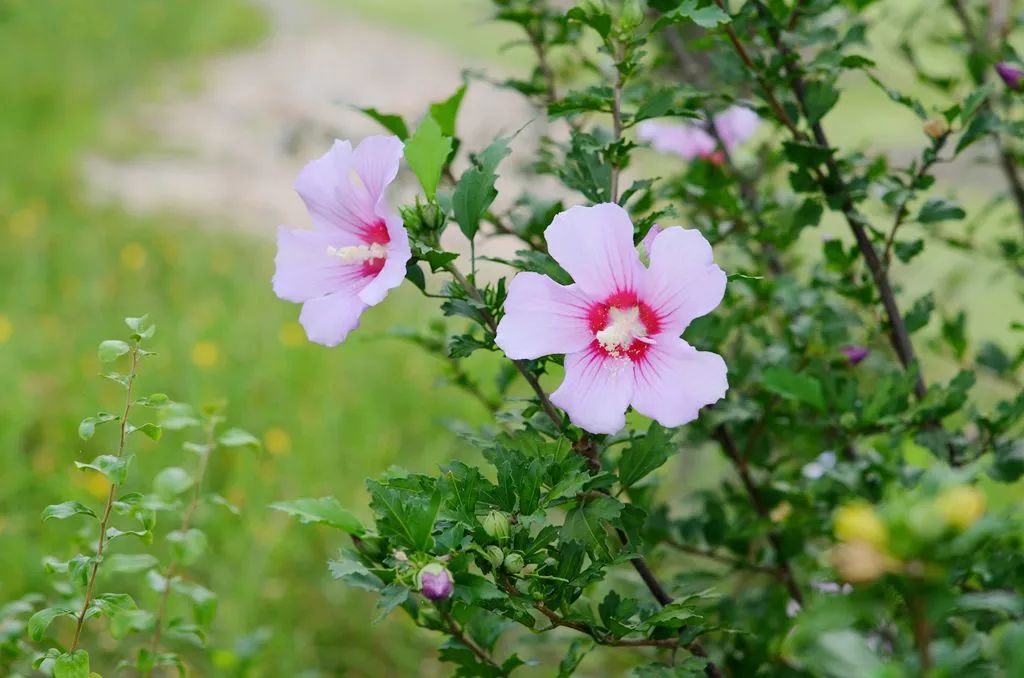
69,273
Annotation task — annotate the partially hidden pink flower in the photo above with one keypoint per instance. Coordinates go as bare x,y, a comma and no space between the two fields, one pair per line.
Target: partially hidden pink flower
734,125
358,248
1011,75
619,323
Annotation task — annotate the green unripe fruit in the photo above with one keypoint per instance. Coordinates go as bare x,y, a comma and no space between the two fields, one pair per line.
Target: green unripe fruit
494,556
497,526
514,563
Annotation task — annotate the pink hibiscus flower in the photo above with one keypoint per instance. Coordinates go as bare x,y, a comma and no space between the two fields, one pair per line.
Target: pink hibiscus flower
734,125
358,248
619,323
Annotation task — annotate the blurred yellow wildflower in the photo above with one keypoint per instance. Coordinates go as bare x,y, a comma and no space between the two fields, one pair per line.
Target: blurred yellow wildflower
291,335
133,256
95,484
205,354
277,441
6,329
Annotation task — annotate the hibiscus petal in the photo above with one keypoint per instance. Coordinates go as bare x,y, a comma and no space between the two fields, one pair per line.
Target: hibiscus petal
334,192
687,141
329,319
305,270
376,161
674,380
595,246
736,124
393,273
682,282
543,318
596,391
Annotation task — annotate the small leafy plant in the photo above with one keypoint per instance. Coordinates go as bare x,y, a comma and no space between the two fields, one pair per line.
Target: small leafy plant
87,588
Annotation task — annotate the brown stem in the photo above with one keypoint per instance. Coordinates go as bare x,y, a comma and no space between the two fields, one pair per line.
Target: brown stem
723,558
616,121
739,462
186,523
922,633
901,211
457,632
102,542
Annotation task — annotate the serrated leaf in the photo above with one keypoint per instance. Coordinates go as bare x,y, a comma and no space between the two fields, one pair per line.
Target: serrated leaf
391,122
426,153
354,573
322,511
586,525
800,387
405,514
67,510
447,111
645,455
391,597
473,195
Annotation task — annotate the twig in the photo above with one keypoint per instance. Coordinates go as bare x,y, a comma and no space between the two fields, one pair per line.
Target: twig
186,523
723,558
102,542
922,632
901,211
456,630
785,572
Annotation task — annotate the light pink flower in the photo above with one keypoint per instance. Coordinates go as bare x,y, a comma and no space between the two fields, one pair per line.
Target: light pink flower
619,323
734,125
358,248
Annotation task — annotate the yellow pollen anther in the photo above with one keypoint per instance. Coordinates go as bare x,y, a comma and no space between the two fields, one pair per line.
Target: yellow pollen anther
623,328
358,253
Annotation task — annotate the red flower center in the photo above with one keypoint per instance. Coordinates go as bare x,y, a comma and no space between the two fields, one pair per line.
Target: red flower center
622,326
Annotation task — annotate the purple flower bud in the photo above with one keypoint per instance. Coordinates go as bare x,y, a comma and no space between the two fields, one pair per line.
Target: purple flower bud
855,354
1011,74
435,581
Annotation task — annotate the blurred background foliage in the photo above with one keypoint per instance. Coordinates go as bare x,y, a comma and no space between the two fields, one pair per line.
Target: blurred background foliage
328,418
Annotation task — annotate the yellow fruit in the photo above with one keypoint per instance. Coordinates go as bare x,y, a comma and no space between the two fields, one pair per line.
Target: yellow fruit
858,562
859,522
961,506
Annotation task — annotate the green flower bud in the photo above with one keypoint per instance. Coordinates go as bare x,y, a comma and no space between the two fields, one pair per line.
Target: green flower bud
370,546
514,562
496,525
494,556
632,14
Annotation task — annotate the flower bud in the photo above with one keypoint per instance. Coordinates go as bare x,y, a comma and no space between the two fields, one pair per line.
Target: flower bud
370,546
496,525
400,556
632,14
855,354
435,581
858,562
936,128
1012,75
859,522
494,556
961,506
514,563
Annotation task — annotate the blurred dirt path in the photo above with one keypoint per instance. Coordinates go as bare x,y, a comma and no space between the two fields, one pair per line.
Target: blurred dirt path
229,152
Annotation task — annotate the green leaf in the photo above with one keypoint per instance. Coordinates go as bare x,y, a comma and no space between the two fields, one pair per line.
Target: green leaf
426,153
675,614
236,437
322,511
73,665
586,525
66,510
141,327
794,386
445,112
391,122
937,209
112,349
187,547
391,597
130,563
578,649
820,98
920,313
473,195
87,428
354,573
40,621
154,400
708,16
406,514
150,430
114,468
645,455
171,482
